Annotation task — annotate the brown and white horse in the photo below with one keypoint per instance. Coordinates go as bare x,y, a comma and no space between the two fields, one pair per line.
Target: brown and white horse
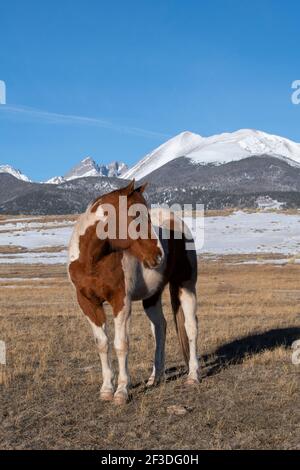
121,270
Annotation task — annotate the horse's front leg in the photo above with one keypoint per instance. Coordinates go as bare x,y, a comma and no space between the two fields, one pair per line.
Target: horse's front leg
121,343
96,317
101,339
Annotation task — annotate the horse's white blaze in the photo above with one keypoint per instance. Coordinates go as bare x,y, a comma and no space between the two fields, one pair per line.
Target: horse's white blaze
85,221
189,306
102,345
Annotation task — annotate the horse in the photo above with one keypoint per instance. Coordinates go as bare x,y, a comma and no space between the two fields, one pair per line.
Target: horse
119,270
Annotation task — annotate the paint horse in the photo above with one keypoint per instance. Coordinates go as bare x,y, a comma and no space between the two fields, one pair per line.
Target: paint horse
120,270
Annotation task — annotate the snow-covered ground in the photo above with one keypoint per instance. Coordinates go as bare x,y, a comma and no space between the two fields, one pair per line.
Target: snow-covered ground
242,233
35,236
239,233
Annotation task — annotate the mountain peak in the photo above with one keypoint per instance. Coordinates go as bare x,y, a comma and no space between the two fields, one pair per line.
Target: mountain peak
14,172
186,135
88,160
177,146
88,167
55,180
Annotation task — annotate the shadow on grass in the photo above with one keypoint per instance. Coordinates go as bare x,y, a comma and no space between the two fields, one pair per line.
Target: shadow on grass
236,351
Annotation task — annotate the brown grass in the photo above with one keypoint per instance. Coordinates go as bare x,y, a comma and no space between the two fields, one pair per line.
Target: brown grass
37,219
14,249
248,396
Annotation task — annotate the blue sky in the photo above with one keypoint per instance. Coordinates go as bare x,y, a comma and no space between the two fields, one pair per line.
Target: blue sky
127,75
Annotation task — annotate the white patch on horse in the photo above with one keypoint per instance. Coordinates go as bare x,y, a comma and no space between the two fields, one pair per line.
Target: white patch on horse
141,282
85,221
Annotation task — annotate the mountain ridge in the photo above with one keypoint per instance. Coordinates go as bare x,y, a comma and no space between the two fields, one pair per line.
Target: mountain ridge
217,150
218,171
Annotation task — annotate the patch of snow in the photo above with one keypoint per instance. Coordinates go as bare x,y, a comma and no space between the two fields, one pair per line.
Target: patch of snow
266,203
238,233
32,239
259,232
56,180
35,258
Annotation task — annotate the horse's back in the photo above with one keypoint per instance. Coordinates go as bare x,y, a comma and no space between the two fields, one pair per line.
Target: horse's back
178,245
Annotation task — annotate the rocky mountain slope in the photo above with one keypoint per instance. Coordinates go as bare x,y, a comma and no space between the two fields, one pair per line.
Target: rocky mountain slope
19,197
88,167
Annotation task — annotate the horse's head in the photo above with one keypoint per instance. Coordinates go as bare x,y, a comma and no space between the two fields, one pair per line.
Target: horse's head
125,219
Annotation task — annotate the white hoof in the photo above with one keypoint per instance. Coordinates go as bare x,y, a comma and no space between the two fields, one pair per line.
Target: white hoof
155,380
121,398
151,381
190,381
106,395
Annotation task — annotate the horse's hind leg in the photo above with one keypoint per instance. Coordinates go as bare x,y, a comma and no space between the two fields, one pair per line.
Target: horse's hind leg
153,309
188,302
96,317
184,306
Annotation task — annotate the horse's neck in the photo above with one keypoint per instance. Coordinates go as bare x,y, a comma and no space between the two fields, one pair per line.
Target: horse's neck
93,249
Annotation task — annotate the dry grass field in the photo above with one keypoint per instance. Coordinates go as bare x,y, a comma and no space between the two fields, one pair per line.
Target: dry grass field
248,397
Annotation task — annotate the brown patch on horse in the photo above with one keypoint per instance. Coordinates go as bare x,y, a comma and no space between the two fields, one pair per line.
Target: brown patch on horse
97,275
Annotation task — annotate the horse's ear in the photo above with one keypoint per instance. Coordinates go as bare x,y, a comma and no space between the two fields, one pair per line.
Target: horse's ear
128,189
141,189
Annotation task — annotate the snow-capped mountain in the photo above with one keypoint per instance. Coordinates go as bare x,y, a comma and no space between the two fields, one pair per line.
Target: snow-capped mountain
180,145
217,150
88,167
56,180
238,169
14,172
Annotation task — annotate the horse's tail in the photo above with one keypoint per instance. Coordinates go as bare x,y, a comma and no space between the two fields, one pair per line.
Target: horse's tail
180,322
